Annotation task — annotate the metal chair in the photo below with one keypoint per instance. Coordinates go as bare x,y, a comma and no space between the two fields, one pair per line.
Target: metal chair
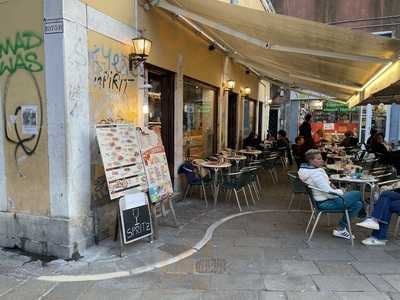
269,164
387,186
319,212
297,186
236,183
194,179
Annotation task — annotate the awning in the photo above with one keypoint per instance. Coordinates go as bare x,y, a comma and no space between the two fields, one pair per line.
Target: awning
388,95
347,65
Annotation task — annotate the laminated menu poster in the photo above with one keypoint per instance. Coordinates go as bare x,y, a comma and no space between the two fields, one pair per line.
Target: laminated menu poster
156,165
122,160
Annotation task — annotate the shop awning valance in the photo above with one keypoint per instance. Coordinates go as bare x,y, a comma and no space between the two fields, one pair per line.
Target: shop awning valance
344,64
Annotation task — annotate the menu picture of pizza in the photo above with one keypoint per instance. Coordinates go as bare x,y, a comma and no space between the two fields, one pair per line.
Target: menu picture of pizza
122,159
156,165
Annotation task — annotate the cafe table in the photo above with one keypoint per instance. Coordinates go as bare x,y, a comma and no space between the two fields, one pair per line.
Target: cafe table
236,158
216,166
256,153
340,168
363,181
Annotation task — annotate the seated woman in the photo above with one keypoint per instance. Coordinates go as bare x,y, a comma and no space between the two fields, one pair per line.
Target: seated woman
314,175
252,141
387,204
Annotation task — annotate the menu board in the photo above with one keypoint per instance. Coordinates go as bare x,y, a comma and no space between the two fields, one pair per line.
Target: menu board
123,164
156,165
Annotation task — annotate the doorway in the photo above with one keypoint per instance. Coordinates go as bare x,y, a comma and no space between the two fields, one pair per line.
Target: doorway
161,109
273,121
232,119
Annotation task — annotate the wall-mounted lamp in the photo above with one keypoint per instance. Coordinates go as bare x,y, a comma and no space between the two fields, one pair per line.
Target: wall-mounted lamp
269,101
247,91
141,50
230,85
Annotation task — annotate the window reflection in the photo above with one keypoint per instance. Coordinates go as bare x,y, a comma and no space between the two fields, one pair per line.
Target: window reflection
198,119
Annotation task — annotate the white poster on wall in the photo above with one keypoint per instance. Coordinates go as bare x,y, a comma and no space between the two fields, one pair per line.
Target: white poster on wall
29,119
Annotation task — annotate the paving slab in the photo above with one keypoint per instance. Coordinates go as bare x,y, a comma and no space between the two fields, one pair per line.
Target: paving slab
289,283
343,283
186,281
362,296
393,280
336,268
266,295
281,253
31,289
237,282
230,295
171,294
69,291
7,283
295,267
377,267
324,254
379,283
370,255
311,295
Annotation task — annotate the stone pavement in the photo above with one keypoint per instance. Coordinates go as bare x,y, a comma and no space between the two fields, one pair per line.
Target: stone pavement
256,256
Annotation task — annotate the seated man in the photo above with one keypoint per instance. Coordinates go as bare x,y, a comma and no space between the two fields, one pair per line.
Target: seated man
387,204
314,175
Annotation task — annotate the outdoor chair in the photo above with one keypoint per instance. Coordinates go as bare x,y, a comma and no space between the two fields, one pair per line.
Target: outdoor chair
297,186
249,180
234,182
258,165
194,179
269,164
282,156
317,212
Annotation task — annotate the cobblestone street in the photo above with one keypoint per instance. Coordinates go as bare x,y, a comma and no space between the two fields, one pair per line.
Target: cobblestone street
254,256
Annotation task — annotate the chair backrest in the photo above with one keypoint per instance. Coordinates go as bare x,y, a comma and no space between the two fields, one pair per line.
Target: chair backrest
189,170
311,196
295,183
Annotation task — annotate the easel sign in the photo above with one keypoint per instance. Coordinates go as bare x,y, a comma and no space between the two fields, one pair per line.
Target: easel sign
135,217
155,164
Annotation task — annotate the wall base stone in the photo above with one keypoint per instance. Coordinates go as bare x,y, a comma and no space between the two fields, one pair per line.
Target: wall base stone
44,235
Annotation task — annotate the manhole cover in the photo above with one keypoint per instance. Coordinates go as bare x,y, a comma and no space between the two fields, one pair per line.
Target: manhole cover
211,265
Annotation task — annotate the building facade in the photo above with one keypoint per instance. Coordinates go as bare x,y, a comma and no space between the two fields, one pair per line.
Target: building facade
64,67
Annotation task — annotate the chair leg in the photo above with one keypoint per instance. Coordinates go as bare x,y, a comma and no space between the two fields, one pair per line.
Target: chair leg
349,226
315,226
205,194
237,199
245,197
251,194
171,207
310,220
257,192
292,195
258,182
186,192
396,228
272,175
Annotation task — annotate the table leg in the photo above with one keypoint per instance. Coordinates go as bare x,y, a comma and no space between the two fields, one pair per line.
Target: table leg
215,187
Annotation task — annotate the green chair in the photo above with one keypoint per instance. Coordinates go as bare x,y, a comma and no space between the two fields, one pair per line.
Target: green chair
317,212
234,182
297,187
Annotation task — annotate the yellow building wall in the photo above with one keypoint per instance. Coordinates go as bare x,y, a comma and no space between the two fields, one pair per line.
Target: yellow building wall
112,93
121,10
22,82
171,39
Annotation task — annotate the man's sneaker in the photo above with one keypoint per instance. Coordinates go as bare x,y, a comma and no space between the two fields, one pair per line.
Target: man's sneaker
373,241
343,233
369,223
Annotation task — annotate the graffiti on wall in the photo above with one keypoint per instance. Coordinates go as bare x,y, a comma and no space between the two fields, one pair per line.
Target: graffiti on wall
19,52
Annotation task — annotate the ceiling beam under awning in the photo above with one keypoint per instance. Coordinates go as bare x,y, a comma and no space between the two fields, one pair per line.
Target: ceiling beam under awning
265,44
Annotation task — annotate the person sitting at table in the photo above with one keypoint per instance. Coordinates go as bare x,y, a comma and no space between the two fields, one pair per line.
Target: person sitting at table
314,175
387,204
299,150
372,134
251,141
318,137
283,142
349,140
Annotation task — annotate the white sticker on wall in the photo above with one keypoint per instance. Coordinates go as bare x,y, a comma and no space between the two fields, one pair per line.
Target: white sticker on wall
29,119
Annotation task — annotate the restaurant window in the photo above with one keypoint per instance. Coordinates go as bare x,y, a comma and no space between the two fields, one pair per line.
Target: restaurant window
249,116
199,115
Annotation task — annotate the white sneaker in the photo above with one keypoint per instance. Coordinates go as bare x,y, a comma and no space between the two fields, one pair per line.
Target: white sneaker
373,241
344,234
369,223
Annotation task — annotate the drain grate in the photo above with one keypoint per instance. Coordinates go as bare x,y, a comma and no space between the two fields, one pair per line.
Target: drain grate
211,265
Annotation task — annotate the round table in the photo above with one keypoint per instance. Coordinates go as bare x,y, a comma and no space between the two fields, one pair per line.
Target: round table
236,158
216,166
340,168
363,181
256,153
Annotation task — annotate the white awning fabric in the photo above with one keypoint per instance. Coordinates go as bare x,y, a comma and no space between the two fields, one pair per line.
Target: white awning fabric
344,64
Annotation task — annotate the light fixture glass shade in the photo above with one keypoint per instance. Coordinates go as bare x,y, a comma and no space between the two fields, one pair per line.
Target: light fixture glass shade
230,84
269,101
141,47
145,109
247,91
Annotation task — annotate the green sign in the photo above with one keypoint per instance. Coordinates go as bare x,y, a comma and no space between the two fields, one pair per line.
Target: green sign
331,106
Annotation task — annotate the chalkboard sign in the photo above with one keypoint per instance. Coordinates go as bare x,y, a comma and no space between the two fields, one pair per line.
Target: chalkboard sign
135,217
